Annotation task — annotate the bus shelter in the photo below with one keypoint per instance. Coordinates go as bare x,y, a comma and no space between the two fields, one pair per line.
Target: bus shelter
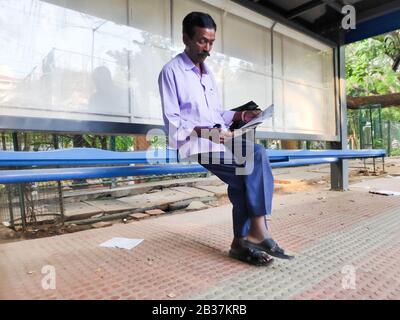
91,66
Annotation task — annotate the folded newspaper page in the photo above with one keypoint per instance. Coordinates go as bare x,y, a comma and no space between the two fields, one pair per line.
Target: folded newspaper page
264,115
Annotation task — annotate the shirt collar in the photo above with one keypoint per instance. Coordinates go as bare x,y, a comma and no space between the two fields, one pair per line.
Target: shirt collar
189,65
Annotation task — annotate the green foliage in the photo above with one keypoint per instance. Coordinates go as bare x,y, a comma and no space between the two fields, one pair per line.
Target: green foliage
369,69
391,114
123,143
395,152
158,142
378,144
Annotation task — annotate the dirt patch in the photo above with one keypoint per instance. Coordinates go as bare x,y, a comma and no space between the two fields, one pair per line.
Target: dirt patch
41,231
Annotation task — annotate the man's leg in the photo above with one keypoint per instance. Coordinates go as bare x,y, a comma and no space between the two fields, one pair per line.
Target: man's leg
250,194
259,184
260,187
236,192
241,220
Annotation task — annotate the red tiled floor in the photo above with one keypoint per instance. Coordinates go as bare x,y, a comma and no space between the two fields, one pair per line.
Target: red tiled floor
186,253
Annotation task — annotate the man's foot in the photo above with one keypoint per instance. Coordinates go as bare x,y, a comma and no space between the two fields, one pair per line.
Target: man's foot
249,255
269,246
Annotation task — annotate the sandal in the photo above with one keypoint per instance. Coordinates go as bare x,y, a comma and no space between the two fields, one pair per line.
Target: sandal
250,255
269,246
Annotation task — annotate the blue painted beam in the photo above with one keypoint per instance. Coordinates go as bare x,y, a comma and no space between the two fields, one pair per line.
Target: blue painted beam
304,162
91,156
343,154
60,174
85,156
379,25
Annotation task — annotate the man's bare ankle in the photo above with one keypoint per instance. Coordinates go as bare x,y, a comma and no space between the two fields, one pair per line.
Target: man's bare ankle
258,238
255,239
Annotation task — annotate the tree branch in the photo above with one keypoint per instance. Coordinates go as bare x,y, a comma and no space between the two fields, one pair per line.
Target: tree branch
385,100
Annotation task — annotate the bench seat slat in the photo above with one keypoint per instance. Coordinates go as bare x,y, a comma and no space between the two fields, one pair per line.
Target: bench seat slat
92,156
60,174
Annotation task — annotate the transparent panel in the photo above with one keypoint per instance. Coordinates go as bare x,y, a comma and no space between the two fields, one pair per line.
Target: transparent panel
242,85
308,87
61,63
246,40
114,10
144,81
304,110
152,16
276,123
301,62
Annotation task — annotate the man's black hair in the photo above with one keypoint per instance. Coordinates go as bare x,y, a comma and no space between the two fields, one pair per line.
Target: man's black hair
197,19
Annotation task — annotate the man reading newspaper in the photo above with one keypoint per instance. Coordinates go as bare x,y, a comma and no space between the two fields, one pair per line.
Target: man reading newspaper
198,127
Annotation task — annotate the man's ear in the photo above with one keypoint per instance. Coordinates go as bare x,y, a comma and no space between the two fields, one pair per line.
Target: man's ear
185,38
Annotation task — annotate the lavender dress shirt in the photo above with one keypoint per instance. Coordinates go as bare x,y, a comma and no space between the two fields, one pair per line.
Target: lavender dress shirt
190,99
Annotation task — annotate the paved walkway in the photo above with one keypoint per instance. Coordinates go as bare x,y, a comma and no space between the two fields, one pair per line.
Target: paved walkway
347,246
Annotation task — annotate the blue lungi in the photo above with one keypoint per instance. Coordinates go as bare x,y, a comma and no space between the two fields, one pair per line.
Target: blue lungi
251,193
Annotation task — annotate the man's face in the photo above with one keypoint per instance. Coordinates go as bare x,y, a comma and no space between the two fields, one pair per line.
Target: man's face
201,42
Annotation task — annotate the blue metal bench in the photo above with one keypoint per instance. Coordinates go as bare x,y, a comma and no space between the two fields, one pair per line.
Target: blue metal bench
155,162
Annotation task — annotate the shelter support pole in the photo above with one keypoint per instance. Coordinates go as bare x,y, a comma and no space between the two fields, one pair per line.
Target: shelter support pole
59,184
340,169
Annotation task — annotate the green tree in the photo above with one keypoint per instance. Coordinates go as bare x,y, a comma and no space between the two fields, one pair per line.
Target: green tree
372,68
369,69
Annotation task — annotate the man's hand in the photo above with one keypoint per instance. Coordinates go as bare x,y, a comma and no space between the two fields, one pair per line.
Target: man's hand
246,116
215,134
249,115
224,134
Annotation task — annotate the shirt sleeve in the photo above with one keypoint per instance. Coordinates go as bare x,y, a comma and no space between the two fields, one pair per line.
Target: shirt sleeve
178,129
227,115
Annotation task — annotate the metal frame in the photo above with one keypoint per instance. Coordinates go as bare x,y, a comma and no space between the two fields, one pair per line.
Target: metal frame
73,126
383,15
340,169
256,7
298,11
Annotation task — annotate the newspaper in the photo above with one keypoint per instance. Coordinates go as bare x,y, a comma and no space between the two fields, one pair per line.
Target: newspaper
264,115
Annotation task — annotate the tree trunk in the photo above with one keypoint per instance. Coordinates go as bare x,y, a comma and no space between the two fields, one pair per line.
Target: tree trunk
385,100
141,143
290,144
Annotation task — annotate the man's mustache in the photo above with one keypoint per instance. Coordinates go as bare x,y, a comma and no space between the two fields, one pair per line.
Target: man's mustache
204,54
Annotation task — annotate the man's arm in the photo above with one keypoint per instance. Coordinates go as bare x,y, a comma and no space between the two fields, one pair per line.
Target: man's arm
178,129
216,134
